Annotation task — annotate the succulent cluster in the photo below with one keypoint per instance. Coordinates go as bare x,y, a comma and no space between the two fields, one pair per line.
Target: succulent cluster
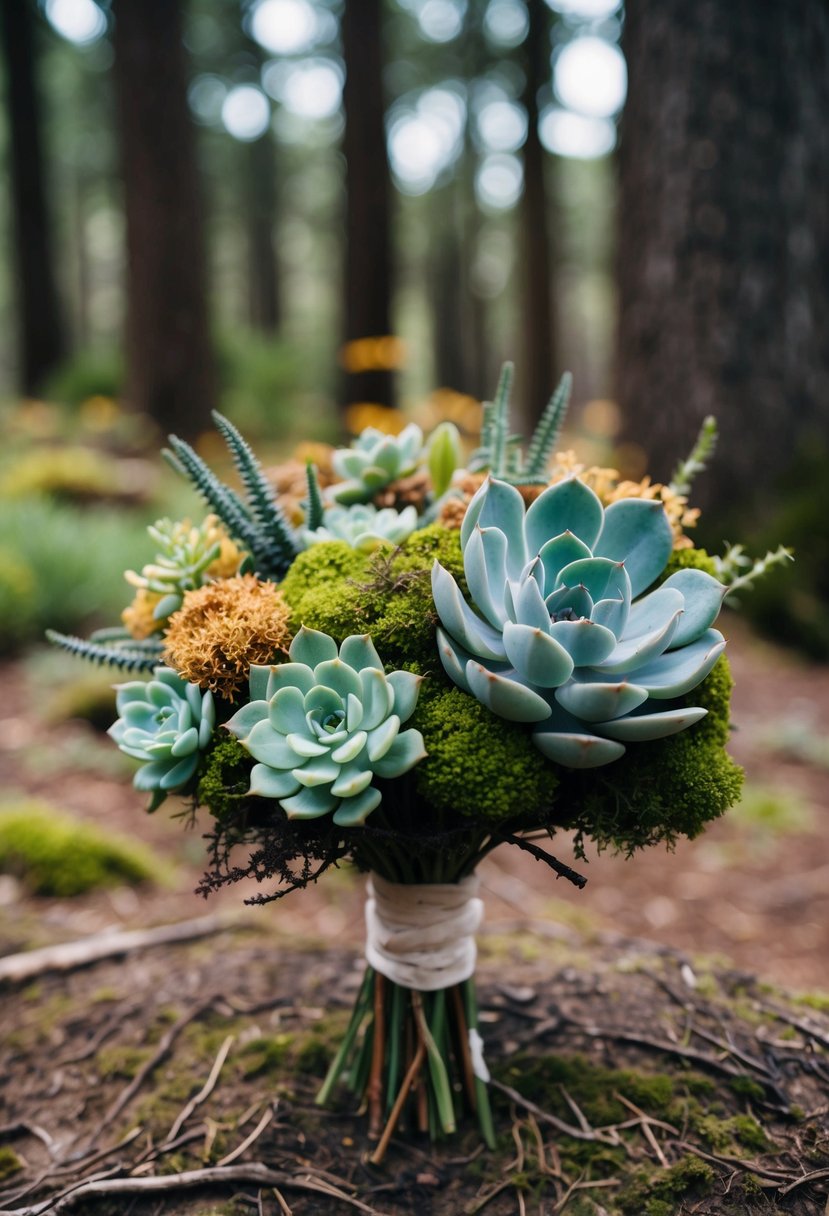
321,726
188,556
166,723
362,526
562,635
373,461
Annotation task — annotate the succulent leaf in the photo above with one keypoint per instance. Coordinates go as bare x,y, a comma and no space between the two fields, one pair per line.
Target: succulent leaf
329,722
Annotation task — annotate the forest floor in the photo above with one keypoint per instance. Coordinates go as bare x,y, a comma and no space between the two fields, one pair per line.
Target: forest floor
693,985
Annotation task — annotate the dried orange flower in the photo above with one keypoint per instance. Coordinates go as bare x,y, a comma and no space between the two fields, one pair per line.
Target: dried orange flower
290,479
223,628
139,615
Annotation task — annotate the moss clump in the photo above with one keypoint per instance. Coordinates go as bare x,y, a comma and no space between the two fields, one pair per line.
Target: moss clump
690,559
225,779
659,1193
265,1054
541,1080
388,593
10,1163
666,788
53,853
478,764
745,1087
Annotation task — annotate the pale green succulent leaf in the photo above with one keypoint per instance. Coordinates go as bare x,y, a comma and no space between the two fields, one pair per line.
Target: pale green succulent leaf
304,745
577,749
586,642
358,652
351,749
268,782
454,660
601,577
612,613
537,657
186,743
351,780
475,634
406,751
354,712
377,697
309,804
568,506
484,563
599,702
505,696
406,688
289,675
270,748
678,671
286,711
258,682
639,728
338,675
381,738
559,552
637,532
530,607
320,770
647,635
352,812
703,596
311,648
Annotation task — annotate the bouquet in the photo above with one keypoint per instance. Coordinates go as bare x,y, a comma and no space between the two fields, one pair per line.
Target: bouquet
395,657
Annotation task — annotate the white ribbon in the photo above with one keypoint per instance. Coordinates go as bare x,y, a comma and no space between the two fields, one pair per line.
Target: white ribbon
422,935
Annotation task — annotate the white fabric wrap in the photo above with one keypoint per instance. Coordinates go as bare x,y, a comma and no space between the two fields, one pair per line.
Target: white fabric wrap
422,935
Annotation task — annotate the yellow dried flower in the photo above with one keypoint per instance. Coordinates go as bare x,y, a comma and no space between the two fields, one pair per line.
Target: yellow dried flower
138,616
223,628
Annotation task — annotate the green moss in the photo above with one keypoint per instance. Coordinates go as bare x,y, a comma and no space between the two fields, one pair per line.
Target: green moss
478,764
748,1132
10,1163
225,779
814,1000
55,854
689,1178
541,1080
123,1062
265,1054
388,593
690,559
666,788
745,1087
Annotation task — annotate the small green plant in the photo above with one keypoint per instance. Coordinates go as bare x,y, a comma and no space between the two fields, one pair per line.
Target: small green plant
53,853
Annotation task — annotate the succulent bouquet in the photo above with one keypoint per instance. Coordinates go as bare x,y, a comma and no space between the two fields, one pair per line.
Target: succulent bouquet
389,657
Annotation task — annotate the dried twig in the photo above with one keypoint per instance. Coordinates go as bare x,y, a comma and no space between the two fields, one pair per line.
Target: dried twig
248,1141
604,1135
205,1091
70,955
253,1172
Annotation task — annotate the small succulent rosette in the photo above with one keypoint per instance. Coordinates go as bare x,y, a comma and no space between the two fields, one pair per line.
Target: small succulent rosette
321,726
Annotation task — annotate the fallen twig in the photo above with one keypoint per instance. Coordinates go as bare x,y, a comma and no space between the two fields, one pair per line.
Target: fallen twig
205,1091
253,1171
605,1135
70,955
248,1141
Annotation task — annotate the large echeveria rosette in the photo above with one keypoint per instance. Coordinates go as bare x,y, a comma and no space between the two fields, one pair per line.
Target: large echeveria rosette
562,635
323,725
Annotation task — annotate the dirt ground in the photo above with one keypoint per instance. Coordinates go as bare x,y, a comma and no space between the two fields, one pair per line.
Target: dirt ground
663,964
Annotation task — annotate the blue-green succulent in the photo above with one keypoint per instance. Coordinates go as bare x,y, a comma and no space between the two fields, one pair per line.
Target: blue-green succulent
562,634
324,724
373,461
167,723
364,527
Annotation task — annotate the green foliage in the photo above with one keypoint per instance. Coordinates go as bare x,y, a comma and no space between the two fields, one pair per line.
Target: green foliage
74,474
315,510
63,566
591,1086
500,452
659,1193
263,382
10,1163
258,524
665,788
689,559
89,373
478,764
224,779
697,461
53,853
791,604
126,656
340,591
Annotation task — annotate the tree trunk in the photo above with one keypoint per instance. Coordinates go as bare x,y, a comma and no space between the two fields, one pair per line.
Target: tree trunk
368,257
724,237
170,370
41,339
260,189
539,371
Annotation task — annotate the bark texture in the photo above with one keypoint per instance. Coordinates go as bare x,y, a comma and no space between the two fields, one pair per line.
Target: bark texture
41,339
170,370
724,237
538,375
368,258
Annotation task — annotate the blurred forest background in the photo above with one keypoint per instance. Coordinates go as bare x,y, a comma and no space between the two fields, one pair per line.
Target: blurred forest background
316,215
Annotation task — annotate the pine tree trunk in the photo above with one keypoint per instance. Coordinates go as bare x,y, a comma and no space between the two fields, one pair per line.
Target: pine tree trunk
538,372
368,257
724,236
41,339
170,370
261,203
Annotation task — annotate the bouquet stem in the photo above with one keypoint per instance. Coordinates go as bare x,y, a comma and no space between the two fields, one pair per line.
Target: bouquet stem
407,1055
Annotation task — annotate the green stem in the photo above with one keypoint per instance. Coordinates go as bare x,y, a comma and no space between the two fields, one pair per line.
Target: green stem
396,1030
481,1092
361,1007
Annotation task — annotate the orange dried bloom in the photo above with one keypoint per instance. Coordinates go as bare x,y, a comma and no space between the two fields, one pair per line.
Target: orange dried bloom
138,616
223,628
